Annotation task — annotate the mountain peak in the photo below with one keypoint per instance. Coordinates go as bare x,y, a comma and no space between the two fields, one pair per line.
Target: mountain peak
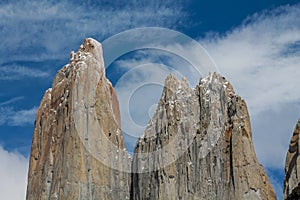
197,145
194,138
171,81
77,148
94,47
173,85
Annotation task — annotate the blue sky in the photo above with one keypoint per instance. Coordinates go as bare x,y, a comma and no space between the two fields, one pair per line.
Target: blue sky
254,43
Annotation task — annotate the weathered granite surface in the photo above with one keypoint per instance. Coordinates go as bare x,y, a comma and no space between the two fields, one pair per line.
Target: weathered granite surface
77,134
199,145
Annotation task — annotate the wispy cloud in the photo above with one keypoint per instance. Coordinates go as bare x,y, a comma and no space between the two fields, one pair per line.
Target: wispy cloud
13,173
261,58
22,117
10,101
11,117
44,30
140,86
15,72
37,30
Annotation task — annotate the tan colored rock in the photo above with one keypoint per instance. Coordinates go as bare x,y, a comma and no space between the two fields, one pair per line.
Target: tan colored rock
292,167
199,145
78,150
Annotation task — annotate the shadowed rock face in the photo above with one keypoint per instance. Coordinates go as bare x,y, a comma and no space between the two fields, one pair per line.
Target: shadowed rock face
292,168
78,124
214,157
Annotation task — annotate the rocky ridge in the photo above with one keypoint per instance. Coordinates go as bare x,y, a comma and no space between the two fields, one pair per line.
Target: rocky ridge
214,157
198,145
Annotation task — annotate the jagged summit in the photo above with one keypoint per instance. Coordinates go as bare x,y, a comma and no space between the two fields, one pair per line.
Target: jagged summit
171,82
91,46
174,84
198,145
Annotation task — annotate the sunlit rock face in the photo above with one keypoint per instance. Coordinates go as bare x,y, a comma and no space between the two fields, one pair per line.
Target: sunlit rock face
198,145
77,134
292,167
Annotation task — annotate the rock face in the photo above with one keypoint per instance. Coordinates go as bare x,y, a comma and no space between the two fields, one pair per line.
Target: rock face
292,167
198,145
77,135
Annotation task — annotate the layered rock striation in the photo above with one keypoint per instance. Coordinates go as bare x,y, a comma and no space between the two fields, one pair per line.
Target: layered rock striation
292,167
77,134
198,145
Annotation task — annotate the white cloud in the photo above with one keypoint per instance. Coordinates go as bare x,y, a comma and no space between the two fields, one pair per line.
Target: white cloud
261,59
44,30
11,117
256,58
22,117
16,72
39,30
147,77
12,100
13,173
140,87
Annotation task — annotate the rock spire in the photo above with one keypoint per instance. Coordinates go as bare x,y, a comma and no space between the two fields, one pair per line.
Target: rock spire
199,146
77,129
